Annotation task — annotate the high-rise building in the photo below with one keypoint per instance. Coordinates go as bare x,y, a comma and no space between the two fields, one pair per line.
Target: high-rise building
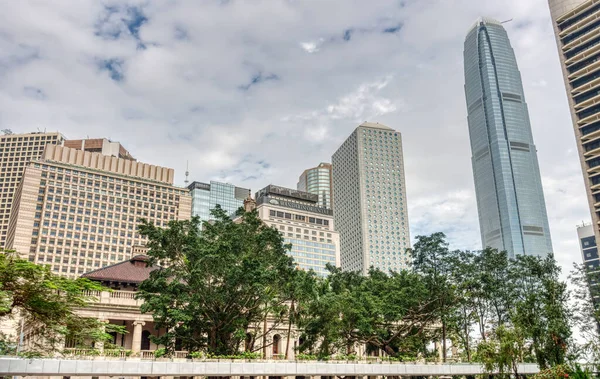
577,31
369,194
318,180
205,198
591,261
308,227
16,151
77,210
100,145
508,186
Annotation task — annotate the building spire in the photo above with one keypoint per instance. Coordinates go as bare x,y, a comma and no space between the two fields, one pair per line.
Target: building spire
249,203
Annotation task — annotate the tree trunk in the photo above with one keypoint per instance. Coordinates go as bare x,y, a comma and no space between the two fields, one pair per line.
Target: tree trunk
467,347
444,341
289,331
264,341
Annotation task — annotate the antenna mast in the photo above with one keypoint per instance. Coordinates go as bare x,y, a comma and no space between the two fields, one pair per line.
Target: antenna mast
187,173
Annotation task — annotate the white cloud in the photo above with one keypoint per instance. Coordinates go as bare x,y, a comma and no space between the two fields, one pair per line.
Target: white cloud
185,69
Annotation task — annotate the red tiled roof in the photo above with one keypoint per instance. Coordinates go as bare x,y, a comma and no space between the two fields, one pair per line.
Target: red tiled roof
134,270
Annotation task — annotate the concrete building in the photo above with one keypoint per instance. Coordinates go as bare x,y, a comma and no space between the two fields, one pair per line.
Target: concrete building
100,145
205,198
78,210
120,307
308,227
16,151
589,256
508,185
319,181
577,30
369,194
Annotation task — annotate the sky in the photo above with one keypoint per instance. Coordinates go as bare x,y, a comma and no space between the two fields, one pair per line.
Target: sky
254,92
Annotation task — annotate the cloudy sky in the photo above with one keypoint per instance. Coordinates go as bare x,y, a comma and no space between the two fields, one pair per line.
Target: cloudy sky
253,92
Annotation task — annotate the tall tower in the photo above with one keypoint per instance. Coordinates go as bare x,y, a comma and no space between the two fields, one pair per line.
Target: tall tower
510,199
577,29
16,151
369,195
318,180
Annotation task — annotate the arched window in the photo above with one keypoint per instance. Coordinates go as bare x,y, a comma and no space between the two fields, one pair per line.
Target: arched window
276,342
145,340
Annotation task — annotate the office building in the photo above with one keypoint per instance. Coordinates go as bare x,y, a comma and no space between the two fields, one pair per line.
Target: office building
100,145
16,151
508,186
589,256
205,198
318,180
369,194
77,211
308,227
577,30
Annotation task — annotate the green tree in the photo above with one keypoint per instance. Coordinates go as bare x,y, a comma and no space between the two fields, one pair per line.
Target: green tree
219,283
384,312
586,316
432,259
503,351
540,308
48,304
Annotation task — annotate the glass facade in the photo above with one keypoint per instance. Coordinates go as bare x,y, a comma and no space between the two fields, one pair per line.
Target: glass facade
510,199
318,180
577,30
370,200
205,197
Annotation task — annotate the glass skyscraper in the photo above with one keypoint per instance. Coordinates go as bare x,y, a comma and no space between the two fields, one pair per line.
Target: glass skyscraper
510,199
205,198
369,195
318,180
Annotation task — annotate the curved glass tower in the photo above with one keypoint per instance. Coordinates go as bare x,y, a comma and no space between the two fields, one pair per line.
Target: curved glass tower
510,200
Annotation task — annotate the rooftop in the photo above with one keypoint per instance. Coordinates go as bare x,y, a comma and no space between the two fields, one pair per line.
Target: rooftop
133,271
374,125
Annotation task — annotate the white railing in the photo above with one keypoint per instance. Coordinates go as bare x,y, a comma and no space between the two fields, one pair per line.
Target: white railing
147,354
122,294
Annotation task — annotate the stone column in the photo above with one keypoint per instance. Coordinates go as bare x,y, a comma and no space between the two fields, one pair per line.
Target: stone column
100,344
136,343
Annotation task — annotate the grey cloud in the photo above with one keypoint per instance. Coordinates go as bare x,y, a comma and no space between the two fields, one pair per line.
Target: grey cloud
190,88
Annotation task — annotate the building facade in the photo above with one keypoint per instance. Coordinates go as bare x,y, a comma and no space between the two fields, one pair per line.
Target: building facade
77,211
369,193
577,30
303,224
510,199
103,146
205,198
589,256
16,151
318,180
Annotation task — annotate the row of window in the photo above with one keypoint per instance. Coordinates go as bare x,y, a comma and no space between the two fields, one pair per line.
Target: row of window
299,218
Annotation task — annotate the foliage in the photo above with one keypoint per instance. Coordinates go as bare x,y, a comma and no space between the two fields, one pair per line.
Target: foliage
555,372
160,352
48,304
306,357
221,282
378,310
585,313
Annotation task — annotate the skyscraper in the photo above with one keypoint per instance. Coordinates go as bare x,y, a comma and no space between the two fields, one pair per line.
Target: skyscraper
77,210
308,227
369,195
205,198
508,186
16,151
318,180
577,29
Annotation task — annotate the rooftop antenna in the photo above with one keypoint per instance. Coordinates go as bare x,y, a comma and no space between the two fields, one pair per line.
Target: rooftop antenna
504,22
187,173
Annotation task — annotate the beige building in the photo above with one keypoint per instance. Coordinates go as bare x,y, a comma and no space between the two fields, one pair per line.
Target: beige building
100,145
303,224
16,151
78,211
577,31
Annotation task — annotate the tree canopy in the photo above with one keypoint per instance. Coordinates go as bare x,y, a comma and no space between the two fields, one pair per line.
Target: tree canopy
48,304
